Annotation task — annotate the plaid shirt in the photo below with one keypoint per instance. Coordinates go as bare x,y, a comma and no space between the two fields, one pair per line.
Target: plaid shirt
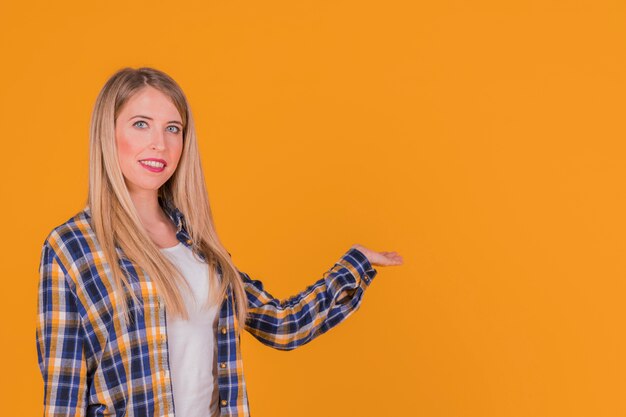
94,363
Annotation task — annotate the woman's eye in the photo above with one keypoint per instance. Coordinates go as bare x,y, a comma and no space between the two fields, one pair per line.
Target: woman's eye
176,129
139,121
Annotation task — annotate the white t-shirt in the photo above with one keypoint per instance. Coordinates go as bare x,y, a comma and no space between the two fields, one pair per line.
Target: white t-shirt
191,344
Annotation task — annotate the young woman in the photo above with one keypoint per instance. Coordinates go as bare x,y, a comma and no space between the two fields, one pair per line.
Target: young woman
145,244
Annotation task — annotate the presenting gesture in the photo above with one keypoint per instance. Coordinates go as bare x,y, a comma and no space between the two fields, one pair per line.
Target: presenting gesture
380,258
167,224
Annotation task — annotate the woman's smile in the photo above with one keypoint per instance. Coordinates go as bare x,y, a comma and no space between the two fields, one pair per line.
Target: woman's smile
154,165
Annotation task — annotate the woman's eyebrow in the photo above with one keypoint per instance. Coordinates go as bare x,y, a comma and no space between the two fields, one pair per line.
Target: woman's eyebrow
150,118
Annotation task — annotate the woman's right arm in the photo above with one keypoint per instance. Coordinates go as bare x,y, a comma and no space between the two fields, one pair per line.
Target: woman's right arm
59,338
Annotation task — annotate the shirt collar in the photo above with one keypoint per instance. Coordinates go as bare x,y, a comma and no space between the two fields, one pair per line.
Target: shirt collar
173,212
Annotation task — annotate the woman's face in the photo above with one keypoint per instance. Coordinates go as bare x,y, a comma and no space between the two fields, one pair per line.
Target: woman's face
149,137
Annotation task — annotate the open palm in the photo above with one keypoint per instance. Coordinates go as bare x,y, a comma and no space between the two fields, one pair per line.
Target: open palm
380,258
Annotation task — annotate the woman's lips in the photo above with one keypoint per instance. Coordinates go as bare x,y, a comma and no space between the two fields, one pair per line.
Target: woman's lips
152,168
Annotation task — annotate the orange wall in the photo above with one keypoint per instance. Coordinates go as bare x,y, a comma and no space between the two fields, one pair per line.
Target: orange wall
483,140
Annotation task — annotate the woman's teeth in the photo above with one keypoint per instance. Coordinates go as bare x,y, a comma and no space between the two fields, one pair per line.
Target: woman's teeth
153,164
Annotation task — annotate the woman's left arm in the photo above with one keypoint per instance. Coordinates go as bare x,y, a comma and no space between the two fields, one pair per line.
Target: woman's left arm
287,324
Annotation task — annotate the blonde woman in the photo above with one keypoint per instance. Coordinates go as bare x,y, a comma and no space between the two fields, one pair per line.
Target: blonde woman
140,306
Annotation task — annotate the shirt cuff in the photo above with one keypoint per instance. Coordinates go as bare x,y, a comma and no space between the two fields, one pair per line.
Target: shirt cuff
359,266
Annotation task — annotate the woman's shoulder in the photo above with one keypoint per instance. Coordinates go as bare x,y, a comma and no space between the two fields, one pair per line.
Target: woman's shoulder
72,239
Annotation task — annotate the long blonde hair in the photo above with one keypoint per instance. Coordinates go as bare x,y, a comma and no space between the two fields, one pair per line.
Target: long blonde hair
114,218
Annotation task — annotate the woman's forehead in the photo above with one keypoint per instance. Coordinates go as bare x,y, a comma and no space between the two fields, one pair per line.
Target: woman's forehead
152,103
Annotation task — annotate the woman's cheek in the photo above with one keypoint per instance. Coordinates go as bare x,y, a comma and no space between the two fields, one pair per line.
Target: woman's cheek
125,148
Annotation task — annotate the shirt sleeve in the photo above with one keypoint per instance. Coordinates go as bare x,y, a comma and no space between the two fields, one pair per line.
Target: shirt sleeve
59,341
287,324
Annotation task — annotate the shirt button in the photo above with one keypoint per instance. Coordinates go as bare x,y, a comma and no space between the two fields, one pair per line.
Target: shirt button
223,330
223,365
224,402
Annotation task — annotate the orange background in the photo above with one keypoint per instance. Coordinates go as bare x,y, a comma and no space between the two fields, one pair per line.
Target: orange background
483,141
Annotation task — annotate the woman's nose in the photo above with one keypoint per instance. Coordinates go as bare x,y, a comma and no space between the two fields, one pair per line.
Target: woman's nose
158,139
